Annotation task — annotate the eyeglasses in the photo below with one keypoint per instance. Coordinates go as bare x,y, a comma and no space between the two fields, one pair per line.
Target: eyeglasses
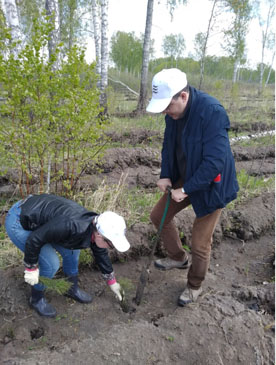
109,243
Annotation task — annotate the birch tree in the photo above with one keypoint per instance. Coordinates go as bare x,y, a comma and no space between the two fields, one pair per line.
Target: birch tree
97,38
145,63
11,14
52,11
28,12
173,45
171,4
270,68
104,54
265,12
201,41
235,36
100,26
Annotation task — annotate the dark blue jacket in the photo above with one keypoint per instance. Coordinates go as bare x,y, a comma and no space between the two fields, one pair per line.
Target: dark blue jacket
207,151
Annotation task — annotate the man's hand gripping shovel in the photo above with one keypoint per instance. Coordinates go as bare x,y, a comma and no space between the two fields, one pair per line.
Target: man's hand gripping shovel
145,272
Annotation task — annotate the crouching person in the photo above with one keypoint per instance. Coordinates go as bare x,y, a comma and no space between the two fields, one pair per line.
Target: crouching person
42,225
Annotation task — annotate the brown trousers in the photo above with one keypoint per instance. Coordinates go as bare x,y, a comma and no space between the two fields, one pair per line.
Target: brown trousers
202,237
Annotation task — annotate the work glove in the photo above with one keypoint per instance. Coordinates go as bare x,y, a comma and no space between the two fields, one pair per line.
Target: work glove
117,290
31,276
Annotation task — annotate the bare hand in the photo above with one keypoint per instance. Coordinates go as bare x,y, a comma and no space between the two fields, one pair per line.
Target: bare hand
163,184
177,195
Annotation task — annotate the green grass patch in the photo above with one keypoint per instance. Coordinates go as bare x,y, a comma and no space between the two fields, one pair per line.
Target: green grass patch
263,141
10,255
251,186
134,204
85,258
126,284
154,122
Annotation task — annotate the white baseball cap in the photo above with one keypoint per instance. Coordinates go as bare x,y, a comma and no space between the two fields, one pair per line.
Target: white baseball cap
165,84
113,227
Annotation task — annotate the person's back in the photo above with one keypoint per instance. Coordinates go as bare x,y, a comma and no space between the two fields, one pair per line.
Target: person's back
39,209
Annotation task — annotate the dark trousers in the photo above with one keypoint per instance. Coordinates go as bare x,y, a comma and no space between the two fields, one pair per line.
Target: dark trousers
202,237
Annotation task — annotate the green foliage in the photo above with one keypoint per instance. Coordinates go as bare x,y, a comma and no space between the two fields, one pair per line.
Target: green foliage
60,286
71,21
85,258
186,248
200,40
254,184
234,37
126,51
218,68
173,45
126,284
51,114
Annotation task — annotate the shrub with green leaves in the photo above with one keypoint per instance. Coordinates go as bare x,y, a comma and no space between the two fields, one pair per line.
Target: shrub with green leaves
50,117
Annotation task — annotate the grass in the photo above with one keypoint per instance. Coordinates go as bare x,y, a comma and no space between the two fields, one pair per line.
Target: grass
10,255
268,140
251,186
133,204
153,122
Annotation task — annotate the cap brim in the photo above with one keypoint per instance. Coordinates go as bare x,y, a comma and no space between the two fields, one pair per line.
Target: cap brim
158,105
120,243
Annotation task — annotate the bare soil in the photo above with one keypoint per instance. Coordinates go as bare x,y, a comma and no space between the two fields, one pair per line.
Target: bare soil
232,322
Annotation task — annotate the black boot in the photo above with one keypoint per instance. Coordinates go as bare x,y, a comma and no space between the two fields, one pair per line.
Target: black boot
76,293
40,304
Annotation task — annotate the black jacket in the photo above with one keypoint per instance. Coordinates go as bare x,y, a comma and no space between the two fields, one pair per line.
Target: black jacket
53,219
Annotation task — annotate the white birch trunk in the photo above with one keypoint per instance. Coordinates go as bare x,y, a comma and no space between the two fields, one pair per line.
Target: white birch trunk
262,63
145,64
97,38
52,10
265,36
104,53
12,19
235,73
270,69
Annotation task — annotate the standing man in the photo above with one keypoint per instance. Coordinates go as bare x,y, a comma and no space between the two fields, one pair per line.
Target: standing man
198,164
42,225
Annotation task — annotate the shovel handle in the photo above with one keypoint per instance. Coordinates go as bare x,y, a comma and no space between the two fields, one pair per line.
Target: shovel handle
145,272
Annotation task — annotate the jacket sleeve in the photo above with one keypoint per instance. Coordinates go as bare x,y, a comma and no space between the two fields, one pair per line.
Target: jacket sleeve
56,230
215,147
165,166
102,260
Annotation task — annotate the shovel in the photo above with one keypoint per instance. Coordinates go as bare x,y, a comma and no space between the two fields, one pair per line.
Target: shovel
145,272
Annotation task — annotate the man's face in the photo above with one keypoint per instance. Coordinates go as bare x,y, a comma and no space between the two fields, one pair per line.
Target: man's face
177,106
